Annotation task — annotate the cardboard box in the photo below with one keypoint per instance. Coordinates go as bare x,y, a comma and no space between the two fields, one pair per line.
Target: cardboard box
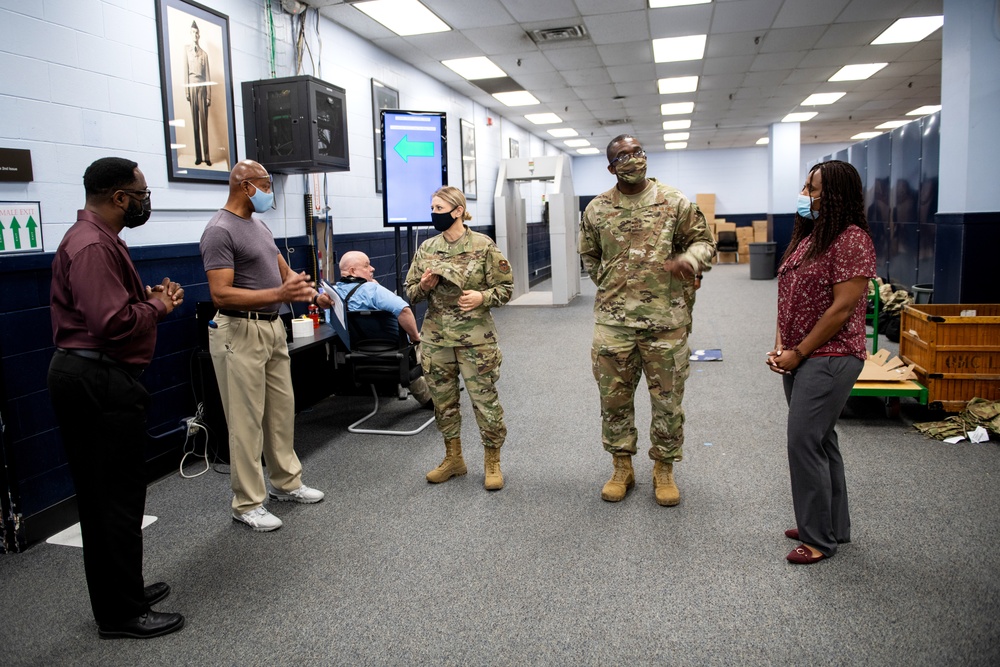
706,202
744,235
759,231
722,226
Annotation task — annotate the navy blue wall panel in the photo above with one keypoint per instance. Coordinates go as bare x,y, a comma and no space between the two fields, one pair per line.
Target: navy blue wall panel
877,203
857,155
927,199
949,250
905,184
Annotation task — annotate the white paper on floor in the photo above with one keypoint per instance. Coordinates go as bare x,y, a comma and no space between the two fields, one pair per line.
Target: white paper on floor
71,537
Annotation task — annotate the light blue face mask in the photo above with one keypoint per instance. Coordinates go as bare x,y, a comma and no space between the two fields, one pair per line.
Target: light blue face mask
262,201
805,207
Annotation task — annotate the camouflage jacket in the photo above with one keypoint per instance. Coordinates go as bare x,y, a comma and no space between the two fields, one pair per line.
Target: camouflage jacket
473,262
624,246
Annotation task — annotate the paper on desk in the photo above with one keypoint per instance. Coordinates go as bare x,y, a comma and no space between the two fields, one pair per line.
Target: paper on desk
979,435
957,438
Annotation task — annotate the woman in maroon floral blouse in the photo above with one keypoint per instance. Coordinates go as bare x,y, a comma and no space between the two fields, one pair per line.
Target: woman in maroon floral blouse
819,348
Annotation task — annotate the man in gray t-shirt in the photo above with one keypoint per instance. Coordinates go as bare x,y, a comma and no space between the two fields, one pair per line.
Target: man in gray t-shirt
249,280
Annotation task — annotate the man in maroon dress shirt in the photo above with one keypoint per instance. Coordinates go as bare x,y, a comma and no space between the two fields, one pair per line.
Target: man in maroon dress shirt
104,328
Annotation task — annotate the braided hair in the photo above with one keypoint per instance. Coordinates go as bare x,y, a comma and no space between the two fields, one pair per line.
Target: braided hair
842,204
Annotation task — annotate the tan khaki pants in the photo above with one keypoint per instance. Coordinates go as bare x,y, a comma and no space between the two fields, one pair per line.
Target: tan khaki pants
255,383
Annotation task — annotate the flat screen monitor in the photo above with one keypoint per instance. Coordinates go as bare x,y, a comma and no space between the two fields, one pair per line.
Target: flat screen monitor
414,165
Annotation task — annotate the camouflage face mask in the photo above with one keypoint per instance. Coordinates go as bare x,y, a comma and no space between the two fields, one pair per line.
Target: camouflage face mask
633,171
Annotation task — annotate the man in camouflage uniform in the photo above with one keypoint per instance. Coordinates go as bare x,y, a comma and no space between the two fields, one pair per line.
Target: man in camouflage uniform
642,243
462,274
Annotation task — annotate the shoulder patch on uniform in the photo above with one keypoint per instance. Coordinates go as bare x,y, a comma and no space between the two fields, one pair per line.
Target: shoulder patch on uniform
504,266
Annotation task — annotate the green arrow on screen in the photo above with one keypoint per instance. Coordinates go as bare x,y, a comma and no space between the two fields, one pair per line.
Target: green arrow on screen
32,240
15,228
2,244
408,149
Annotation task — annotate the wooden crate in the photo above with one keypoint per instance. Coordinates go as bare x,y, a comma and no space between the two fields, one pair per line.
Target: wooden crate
956,357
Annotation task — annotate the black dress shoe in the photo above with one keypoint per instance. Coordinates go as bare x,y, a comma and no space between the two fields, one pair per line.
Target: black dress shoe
150,624
154,593
208,163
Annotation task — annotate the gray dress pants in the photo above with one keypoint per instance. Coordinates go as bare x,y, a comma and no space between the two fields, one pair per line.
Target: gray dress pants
816,392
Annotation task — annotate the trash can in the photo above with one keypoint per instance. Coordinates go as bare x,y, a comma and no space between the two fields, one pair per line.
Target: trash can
923,293
762,260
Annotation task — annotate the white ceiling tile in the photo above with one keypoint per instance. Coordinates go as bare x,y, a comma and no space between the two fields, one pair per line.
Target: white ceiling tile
574,58
586,77
463,15
808,13
629,73
680,21
772,61
791,39
533,10
632,53
618,28
744,15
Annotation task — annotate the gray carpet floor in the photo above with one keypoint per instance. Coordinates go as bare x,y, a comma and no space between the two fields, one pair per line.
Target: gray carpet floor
389,570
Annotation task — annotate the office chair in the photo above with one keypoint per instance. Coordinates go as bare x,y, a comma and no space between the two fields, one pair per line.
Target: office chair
382,358
727,242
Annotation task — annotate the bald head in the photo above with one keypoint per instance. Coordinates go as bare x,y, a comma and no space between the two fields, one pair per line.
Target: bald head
244,180
356,263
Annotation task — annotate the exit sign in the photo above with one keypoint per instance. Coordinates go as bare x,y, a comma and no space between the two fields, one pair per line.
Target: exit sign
20,227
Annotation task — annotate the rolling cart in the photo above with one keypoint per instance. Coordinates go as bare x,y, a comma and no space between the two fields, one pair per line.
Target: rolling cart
890,391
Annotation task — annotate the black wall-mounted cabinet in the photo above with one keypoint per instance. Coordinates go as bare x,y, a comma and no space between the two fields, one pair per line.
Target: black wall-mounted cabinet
296,125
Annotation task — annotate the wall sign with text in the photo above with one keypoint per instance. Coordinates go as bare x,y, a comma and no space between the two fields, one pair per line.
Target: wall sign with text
20,227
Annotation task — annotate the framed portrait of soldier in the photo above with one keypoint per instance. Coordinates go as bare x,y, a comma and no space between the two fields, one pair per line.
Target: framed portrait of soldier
197,90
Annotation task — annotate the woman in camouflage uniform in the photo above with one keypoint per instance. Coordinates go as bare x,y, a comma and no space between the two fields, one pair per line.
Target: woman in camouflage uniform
462,274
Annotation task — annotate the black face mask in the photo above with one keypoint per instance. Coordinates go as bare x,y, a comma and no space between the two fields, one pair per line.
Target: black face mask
352,279
443,221
136,216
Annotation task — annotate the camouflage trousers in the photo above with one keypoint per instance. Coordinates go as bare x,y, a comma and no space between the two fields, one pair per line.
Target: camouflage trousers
480,368
620,355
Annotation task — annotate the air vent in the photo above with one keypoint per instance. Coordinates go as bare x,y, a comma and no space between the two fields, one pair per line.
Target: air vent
614,121
548,35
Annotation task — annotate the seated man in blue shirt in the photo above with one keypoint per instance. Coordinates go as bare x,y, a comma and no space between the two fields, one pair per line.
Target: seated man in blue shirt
355,268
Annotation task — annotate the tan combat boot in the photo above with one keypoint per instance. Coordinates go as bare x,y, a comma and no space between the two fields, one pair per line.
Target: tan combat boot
621,481
494,478
667,493
452,465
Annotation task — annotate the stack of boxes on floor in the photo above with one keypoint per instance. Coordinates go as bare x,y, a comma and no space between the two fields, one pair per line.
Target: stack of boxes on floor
757,233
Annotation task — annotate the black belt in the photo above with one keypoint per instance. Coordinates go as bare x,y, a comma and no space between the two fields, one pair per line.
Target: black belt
250,314
134,370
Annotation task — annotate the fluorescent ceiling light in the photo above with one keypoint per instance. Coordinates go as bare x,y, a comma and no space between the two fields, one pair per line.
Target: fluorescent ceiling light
856,72
576,143
543,118
923,111
821,98
588,151
799,117
866,135
676,124
479,67
564,132
403,17
891,125
678,84
677,145
517,98
763,141
656,4
677,136
910,30
676,108
675,49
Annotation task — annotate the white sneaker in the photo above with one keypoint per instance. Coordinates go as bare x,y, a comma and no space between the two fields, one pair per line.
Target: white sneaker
259,519
303,494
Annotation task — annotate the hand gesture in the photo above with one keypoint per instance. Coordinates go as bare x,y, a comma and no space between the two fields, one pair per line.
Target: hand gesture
470,299
170,293
679,268
296,287
429,280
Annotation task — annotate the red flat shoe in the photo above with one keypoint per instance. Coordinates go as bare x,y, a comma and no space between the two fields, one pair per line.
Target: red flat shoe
800,555
792,533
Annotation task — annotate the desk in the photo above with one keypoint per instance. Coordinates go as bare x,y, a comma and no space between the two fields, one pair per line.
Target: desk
314,361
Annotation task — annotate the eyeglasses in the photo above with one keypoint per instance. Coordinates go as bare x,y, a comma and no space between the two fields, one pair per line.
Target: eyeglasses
628,157
141,195
268,178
